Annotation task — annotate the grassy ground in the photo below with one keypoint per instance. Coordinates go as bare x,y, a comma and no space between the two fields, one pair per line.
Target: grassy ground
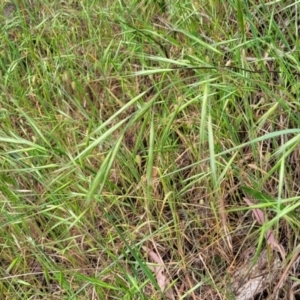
131,131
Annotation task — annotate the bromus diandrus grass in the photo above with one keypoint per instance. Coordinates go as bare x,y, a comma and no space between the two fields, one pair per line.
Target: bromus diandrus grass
130,135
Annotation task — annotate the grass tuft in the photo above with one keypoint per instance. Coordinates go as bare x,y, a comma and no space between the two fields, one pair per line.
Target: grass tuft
130,135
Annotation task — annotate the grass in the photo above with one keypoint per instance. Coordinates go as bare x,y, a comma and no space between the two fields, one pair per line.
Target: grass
130,134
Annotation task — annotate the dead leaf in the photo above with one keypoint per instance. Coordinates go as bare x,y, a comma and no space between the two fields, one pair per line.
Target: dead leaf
271,240
258,214
160,273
